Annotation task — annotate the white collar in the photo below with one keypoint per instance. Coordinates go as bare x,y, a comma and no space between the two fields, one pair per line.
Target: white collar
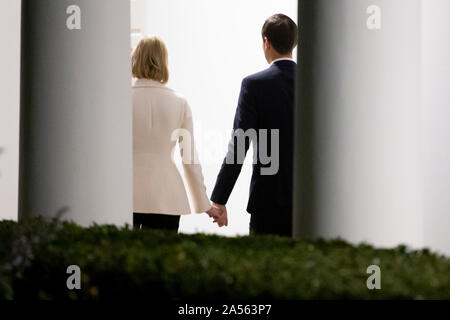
281,59
146,83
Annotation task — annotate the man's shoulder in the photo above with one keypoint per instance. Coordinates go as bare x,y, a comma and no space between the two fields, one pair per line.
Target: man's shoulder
259,78
261,75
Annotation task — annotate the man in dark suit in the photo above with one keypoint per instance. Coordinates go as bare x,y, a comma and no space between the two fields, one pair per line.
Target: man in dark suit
264,116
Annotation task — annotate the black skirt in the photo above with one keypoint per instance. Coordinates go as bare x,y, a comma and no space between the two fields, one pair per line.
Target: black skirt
156,221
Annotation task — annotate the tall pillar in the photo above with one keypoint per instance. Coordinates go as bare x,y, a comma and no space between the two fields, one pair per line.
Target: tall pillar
357,133
9,107
75,132
436,119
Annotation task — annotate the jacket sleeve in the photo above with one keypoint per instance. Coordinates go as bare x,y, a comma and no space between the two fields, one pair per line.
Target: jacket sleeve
191,165
244,121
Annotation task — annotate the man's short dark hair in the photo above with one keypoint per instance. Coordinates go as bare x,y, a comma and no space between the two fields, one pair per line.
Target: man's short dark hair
281,31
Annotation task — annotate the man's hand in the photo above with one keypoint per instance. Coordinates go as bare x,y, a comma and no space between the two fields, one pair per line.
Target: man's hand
219,213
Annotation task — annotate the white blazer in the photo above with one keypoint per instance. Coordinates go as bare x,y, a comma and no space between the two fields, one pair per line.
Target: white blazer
158,113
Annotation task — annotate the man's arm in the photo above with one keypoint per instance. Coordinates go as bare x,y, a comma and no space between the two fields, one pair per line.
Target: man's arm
245,118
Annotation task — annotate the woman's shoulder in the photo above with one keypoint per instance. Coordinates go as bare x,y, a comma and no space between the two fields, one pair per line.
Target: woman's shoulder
148,83
152,84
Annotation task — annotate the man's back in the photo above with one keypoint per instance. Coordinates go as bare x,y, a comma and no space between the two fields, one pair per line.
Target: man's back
273,89
265,115
266,103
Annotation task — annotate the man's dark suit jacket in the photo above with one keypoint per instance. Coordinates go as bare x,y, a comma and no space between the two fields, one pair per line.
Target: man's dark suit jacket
266,101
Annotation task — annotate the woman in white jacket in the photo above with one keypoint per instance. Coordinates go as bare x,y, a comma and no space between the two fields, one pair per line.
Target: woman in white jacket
161,118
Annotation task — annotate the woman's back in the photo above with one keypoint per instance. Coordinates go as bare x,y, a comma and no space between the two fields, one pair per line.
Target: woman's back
159,196
158,115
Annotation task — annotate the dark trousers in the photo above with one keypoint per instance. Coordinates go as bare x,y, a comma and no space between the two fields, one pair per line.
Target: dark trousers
156,221
276,221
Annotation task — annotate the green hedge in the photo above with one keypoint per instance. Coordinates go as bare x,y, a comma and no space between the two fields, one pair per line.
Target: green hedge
125,263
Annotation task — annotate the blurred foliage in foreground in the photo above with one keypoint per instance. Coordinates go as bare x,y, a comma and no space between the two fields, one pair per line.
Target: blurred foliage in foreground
123,263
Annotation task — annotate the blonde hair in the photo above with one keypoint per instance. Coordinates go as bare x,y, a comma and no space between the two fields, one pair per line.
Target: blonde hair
150,60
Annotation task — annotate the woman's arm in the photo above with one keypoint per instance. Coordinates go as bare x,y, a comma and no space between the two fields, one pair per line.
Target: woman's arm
191,164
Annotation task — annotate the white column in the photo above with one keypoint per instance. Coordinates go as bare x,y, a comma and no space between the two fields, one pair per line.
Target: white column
436,123
76,140
9,107
357,167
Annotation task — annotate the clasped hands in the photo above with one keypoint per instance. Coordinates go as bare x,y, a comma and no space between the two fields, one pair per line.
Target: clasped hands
219,213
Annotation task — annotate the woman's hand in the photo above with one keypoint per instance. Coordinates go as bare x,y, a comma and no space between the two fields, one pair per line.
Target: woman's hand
219,213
